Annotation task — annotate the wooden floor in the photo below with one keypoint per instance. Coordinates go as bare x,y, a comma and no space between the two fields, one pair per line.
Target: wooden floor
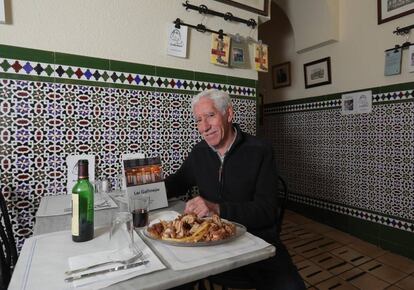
330,259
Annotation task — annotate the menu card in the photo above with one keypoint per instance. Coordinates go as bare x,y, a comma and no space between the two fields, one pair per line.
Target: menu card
144,175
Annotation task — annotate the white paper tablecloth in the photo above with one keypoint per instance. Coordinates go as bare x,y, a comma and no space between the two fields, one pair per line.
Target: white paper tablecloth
104,280
181,258
44,259
61,204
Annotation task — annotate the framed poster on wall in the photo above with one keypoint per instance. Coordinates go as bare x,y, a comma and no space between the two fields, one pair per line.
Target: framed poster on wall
317,73
281,75
2,12
390,10
257,6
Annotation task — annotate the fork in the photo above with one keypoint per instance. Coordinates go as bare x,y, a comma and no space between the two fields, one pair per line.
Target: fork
135,249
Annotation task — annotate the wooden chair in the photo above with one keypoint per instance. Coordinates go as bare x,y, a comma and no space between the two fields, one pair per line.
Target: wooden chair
8,251
232,280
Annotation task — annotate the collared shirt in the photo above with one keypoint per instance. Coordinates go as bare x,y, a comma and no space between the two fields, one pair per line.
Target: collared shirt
228,148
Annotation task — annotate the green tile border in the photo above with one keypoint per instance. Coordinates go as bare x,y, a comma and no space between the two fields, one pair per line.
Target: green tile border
129,67
212,78
305,100
242,82
337,96
7,51
81,61
74,61
354,208
174,73
398,249
392,235
27,78
388,238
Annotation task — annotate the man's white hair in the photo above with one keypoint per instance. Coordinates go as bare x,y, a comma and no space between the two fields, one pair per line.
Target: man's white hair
221,99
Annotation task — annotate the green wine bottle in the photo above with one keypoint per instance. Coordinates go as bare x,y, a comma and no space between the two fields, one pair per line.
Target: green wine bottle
82,205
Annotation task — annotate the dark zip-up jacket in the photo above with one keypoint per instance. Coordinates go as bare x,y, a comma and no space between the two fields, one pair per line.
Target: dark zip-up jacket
244,185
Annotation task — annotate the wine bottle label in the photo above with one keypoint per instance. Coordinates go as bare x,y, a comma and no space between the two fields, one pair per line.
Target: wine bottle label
75,214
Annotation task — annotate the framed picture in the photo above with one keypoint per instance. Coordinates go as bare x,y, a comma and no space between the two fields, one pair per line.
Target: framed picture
257,6
411,59
2,12
317,73
389,10
281,75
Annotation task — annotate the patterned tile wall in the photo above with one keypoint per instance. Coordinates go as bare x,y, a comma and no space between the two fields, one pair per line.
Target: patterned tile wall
42,120
357,165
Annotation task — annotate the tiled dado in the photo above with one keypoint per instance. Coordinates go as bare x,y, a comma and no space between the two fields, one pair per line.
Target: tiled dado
380,95
353,170
29,64
53,105
395,222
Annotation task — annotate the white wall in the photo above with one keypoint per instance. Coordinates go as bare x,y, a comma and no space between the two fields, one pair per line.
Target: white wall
127,30
357,59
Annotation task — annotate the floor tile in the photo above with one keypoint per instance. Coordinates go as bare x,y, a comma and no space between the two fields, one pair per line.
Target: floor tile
382,271
363,280
335,283
367,248
406,283
317,227
331,263
401,263
327,258
296,258
298,219
311,273
351,256
341,237
291,229
393,287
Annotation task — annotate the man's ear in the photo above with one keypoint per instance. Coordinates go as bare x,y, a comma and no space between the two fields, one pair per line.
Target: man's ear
230,114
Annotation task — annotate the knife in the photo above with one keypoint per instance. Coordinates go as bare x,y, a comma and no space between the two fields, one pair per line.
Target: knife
118,268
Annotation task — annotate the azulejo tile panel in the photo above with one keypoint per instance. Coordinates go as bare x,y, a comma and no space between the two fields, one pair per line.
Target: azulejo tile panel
42,122
54,104
357,165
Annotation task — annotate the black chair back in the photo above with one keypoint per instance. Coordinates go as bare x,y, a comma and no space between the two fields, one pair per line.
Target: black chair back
282,198
8,251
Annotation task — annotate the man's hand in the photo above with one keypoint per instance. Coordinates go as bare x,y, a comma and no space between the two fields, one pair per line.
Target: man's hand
201,207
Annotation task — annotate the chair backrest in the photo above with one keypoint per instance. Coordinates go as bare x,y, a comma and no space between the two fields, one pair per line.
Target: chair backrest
282,195
8,251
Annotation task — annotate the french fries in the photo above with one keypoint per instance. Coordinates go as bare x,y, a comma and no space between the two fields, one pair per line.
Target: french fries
195,237
190,229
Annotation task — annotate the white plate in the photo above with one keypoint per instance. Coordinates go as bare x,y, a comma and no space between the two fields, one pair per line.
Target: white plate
240,230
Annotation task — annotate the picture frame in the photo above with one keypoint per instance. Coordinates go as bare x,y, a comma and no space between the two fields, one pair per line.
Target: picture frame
281,75
410,59
317,73
261,6
390,10
2,12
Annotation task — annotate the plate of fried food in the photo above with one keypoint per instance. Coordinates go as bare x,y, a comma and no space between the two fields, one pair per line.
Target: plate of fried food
187,230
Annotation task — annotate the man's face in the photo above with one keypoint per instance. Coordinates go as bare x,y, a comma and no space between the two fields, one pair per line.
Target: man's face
212,125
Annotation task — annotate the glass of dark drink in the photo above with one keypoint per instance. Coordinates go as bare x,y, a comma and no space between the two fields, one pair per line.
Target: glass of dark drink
139,204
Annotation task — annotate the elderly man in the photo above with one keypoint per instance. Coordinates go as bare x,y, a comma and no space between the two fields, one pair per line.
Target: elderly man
237,179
